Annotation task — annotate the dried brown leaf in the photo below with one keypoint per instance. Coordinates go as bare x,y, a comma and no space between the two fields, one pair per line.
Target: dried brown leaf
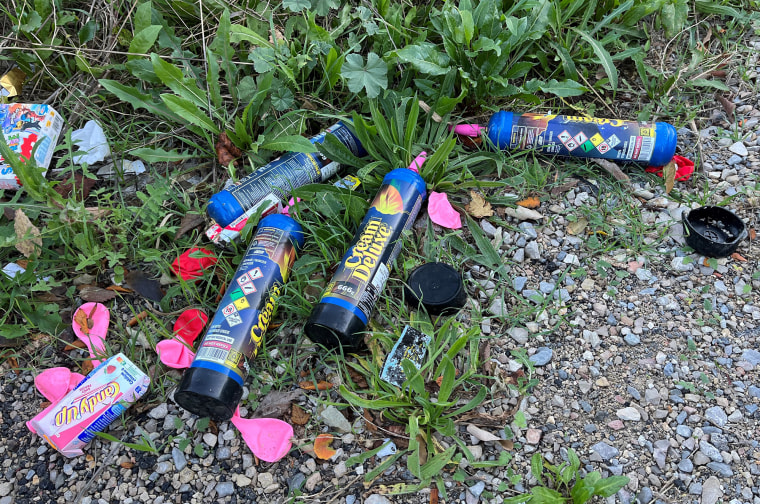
669,174
137,318
564,187
478,207
530,202
728,106
321,385
79,185
9,213
87,366
322,447
76,344
299,416
96,294
29,237
119,288
357,378
189,222
127,465
578,227
276,404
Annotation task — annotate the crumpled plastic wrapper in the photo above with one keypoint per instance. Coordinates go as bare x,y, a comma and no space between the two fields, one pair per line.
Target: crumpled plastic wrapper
12,82
92,144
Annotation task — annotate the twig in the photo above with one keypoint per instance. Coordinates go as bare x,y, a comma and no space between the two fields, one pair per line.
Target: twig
343,490
614,170
696,132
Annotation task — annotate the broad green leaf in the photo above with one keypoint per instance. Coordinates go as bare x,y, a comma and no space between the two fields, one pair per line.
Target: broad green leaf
296,5
604,58
11,331
212,79
143,41
712,7
434,465
158,155
136,99
708,84
563,89
143,16
425,57
372,77
581,491
222,45
537,467
172,76
88,31
468,25
189,111
545,495
240,33
609,486
369,403
289,143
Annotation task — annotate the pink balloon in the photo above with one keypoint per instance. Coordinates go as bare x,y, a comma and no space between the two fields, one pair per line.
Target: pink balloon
442,213
468,130
417,162
175,353
54,384
268,438
95,337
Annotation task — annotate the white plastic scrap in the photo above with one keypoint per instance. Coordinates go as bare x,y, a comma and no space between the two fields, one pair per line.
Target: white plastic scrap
91,142
389,448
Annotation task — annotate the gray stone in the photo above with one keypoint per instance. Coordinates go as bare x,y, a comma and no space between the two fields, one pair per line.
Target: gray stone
683,431
751,356
660,452
630,414
546,287
519,283
477,488
645,496
652,396
499,308
159,412
377,499
532,251
632,339
334,418
734,160
686,466
297,481
739,148
519,334
695,488
180,462
225,488
716,416
754,391
710,451
723,470
711,491
528,230
634,392
350,499
163,467
542,356
223,453
701,459
6,488
605,451
488,228
682,264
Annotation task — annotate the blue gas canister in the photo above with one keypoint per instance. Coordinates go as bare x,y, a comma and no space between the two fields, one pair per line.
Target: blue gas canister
349,299
213,384
651,143
275,180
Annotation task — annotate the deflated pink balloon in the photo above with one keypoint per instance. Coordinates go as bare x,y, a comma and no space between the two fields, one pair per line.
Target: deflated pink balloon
94,338
54,384
417,162
175,353
268,438
468,130
286,208
442,213
190,324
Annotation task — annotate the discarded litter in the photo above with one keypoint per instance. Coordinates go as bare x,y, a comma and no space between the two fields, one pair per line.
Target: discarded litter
11,82
274,181
684,168
91,142
411,345
388,448
713,231
127,168
191,263
225,236
442,213
26,127
268,438
91,406
91,321
436,286
653,143
213,385
350,297
176,352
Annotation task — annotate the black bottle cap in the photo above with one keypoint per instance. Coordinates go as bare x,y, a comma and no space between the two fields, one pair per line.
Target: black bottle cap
208,393
436,286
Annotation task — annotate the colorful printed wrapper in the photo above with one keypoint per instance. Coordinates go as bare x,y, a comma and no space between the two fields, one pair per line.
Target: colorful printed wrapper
97,401
26,126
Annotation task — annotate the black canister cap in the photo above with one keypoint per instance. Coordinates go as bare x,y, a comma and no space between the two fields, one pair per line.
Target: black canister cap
436,286
208,393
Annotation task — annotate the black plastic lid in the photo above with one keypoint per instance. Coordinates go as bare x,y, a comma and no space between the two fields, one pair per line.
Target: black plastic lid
208,393
333,326
436,286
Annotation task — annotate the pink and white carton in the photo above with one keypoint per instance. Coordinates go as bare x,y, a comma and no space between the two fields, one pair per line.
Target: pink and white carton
91,406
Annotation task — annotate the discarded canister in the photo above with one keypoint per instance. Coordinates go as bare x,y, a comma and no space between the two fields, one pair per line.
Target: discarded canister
213,384
652,143
344,310
279,177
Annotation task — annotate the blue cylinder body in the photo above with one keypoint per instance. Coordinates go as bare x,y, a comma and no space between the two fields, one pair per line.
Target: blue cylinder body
640,142
281,176
213,384
350,297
